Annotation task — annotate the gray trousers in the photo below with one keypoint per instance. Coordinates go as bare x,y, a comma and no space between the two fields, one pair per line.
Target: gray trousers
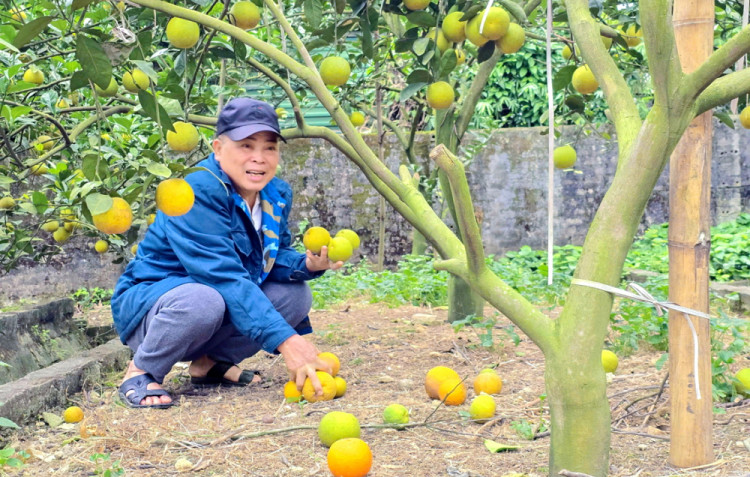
188,322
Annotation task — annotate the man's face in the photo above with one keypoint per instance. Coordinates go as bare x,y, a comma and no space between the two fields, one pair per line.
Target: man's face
250,163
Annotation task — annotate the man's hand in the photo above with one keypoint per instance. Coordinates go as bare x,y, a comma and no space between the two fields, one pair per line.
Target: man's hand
302,361
315,263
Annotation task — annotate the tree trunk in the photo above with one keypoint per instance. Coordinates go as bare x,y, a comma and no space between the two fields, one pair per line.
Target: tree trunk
579,414
418,243
462,301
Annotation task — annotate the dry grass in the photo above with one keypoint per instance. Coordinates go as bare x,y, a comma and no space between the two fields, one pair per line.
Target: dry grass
385,354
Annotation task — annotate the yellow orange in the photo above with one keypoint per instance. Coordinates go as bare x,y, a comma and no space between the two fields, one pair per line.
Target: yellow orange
488,382
452,391
349,457
116,220
291,393
332,360
174,197
329,388
435,378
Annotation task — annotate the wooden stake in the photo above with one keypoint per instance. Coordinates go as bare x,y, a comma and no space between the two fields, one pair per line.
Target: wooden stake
691,440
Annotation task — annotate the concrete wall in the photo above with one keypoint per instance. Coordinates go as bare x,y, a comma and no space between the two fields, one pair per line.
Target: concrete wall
509,185
509,182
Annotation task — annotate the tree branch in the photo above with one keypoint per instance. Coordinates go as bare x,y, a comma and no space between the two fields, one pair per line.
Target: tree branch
663,60
284,85
284,24
465,215
723,90
471,98
46,116
720,60
621,102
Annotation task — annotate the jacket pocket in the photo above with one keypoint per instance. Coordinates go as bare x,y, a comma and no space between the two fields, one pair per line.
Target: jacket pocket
241,242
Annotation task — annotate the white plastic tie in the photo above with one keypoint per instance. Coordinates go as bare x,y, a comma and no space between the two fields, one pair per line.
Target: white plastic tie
642,295
484,17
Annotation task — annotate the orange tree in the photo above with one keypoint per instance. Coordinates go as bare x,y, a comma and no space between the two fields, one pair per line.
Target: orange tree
74,143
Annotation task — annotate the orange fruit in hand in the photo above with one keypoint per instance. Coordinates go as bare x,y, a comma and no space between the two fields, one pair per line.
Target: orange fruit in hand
291,393
488,382
435,378
332,360
329,388
452,391
349,457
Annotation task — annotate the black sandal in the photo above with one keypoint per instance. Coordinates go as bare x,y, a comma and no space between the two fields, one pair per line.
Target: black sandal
138,385
215,376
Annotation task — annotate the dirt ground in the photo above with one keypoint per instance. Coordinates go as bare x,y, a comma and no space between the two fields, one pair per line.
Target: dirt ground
385,354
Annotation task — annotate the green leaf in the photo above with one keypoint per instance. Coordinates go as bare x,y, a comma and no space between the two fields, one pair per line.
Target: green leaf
94,61
485,51
52,419
419,76
562,77
403,44
313,12
422,18
724,118
98,203
94,167
6,180
40,201
19,111
411,90
30,30
8,46
575,103
448,63
5,422
80,4
78,80
340,5
420,46
144,45
240,50
367,45
471,10
159,169
493,446
150,107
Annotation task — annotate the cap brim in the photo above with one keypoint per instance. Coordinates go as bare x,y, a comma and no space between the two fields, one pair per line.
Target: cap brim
240,133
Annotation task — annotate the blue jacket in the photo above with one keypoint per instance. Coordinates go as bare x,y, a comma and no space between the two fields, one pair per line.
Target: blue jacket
215,244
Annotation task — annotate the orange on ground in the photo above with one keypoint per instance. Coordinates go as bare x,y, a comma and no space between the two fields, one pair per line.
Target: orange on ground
291,393
488,382
329,388
452,391
332,360
340,386
435,378
349,457
73,414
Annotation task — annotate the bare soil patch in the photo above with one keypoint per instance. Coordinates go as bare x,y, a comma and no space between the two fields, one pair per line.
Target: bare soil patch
385,353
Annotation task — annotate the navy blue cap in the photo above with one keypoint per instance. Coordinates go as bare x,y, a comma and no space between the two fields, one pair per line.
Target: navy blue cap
243,117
